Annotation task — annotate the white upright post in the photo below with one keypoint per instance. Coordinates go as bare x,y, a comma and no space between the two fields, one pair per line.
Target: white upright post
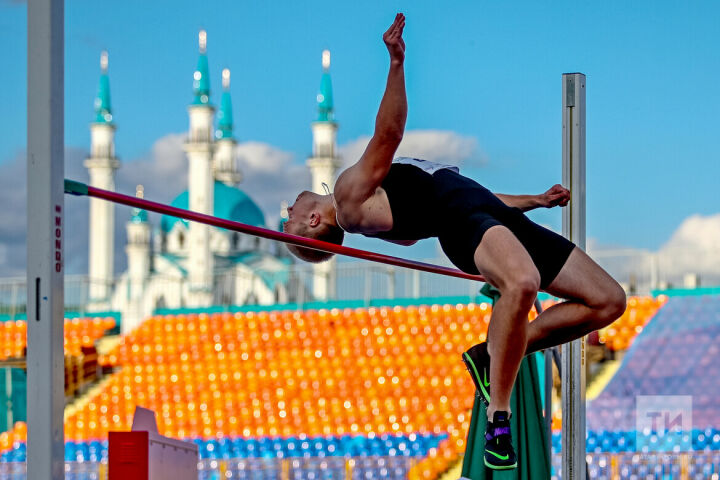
573,227
45,208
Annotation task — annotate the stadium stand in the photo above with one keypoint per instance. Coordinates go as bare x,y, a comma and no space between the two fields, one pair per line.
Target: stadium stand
377,382
676,354
378,390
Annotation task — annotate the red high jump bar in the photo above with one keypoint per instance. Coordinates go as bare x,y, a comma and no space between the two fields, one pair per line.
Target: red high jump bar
76,188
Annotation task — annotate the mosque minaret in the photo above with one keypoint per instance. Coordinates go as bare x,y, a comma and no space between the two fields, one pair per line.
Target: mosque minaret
138,257
199,148
224,162
101,165
324,164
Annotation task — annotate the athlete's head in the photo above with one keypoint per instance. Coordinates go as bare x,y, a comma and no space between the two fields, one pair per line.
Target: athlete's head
313,216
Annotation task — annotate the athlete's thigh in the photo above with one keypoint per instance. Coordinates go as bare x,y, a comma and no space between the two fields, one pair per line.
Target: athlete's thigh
501,258
583,279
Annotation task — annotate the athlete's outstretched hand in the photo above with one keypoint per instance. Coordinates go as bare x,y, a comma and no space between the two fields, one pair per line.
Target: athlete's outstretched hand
557,195
393,39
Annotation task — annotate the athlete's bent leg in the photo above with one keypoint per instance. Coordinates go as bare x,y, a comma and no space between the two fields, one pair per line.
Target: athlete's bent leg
505,263
595,300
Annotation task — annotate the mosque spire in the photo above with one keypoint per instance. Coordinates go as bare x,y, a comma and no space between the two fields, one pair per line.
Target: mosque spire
138,214
325,97
201,77
225,118
103,111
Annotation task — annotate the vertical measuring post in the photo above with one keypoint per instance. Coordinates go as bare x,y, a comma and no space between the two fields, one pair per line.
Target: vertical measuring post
573,227
45,217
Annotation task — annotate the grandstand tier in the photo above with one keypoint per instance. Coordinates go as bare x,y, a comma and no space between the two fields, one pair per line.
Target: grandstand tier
256,389
677,354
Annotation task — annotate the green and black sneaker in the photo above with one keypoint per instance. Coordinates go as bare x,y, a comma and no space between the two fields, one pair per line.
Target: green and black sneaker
477,361
499,452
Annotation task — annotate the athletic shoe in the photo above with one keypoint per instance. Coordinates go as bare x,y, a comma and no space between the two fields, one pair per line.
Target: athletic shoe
477,361
499,452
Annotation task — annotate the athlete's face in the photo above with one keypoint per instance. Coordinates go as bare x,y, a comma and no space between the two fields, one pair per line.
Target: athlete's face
301,212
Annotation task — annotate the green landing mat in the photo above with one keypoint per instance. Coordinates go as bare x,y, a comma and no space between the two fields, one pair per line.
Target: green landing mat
528,432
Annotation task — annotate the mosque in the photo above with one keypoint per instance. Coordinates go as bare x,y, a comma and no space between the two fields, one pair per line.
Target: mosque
186,264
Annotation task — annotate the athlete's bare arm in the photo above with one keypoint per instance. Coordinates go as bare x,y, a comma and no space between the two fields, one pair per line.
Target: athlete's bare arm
557,195
361,181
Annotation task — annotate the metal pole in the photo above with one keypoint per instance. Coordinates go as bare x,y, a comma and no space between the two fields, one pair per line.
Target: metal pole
45,209
573,227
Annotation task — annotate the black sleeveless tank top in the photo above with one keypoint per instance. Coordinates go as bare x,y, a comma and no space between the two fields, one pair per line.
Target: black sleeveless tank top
413,203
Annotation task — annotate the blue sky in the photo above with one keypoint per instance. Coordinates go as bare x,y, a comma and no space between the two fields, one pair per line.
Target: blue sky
489,71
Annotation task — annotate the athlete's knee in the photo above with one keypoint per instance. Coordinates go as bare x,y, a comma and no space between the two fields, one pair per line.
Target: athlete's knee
616,302
523,285
610,304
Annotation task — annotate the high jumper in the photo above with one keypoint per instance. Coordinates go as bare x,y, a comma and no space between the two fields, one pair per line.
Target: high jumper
403,200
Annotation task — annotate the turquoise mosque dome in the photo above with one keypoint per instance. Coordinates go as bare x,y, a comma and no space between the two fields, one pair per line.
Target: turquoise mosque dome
229,203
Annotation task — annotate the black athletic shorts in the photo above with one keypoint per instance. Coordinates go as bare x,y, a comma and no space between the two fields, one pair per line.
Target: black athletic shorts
469,210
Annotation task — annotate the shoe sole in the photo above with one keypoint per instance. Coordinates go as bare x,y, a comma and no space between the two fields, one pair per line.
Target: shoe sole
500,467
485,395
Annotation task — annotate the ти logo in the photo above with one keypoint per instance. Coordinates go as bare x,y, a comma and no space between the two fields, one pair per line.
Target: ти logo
663,423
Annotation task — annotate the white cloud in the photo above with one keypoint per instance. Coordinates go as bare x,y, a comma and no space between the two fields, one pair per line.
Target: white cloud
694,248
13,215
435,145
258,157
163,172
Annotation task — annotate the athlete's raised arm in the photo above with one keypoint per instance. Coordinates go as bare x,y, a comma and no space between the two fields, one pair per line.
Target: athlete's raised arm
557,195
368,173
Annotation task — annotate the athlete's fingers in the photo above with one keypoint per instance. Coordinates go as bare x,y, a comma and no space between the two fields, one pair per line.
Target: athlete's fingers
392,26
